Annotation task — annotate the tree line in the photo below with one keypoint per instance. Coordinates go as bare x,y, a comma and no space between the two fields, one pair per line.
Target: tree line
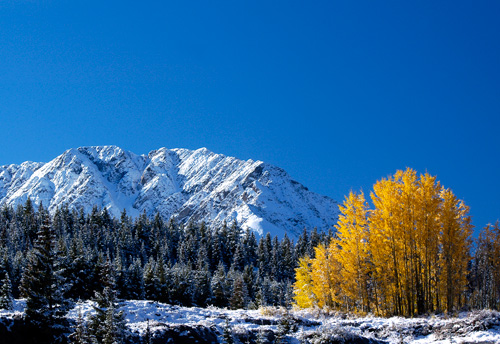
55,260
411,254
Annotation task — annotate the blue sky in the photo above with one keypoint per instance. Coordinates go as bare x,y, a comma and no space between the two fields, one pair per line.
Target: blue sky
338,93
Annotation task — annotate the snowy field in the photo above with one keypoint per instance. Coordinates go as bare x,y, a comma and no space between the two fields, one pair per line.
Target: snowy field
314,327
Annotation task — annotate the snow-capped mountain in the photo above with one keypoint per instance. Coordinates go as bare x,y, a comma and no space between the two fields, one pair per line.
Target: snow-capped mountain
190,185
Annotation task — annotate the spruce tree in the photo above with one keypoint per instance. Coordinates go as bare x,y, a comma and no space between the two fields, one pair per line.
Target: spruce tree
107,325
285,326
150,282
288,260
42,283
261,337
276,260
6,299
162,282
227,335
80,335
135,281
201,287
218,286
250,245
239,295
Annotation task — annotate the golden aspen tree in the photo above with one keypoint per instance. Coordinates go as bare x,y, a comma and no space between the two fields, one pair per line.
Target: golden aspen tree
320,276
352,233
428,206
386,247
407,182
407,256
303,287
325,274
455,241
402,226
335,277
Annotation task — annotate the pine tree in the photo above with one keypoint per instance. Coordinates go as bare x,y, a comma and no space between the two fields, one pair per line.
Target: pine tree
288,260
227,335
80,335
135,281
107,325
219,288
239,257
239,294
42,283
285,326
276,260
6,299
161,279
181,285
114,326
249,278
148,336
302,244
250,245
79,270
150,282
201,287
261,337
264,255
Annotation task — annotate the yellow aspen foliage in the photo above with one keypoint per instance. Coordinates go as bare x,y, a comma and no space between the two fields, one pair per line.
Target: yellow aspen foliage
337,295
404,232
303,288
386,245
455,241
428,207
407,256
325,274
353,256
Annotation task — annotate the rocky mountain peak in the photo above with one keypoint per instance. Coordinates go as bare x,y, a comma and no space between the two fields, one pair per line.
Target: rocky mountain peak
190,185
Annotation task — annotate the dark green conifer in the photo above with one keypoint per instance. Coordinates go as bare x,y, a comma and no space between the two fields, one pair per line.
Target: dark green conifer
81,334
107,325
239,293
218,286
43,285
227,335
6,299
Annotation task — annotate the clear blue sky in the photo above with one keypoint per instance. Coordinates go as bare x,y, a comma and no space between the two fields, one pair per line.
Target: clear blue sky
338,93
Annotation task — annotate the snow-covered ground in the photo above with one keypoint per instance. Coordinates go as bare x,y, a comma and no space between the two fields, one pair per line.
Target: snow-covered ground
472,327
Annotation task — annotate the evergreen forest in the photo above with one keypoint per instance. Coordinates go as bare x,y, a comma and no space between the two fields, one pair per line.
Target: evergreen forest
153,259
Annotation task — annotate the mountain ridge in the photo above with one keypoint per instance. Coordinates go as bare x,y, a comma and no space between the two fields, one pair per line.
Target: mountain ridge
191,185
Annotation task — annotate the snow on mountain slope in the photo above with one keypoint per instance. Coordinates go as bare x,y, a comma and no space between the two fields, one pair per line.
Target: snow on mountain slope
190,185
